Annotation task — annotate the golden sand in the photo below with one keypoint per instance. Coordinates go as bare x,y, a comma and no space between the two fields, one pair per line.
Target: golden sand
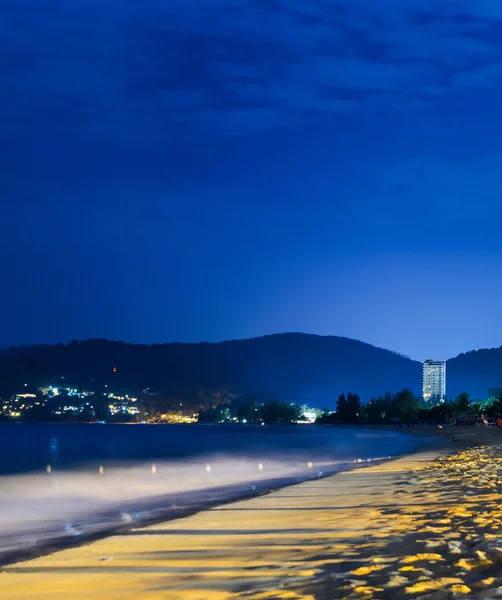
417,527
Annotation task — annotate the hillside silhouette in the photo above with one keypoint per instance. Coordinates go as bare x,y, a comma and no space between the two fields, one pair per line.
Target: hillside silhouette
292,367
474,372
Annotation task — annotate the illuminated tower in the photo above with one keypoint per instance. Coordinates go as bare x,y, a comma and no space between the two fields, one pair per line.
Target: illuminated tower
434,381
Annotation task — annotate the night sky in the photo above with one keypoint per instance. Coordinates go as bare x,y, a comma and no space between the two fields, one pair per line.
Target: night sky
190,170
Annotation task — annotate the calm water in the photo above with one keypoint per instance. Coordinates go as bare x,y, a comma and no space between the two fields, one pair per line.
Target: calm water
26,447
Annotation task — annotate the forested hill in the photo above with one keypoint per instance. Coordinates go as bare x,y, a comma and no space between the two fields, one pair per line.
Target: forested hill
291,366
474,372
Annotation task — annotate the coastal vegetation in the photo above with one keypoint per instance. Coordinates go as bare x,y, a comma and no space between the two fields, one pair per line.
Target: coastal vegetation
402,407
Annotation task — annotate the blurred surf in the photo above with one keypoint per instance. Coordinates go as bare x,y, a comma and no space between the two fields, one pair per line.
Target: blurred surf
93,480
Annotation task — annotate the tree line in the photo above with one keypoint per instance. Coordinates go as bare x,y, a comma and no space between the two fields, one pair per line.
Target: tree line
270,412
406,407
402,407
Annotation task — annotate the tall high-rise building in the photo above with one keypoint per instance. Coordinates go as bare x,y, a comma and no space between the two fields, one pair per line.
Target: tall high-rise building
434,381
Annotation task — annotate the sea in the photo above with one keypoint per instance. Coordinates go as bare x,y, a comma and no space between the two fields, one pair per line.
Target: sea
61,483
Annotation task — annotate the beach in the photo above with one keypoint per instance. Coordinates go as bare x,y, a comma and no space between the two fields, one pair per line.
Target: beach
425,525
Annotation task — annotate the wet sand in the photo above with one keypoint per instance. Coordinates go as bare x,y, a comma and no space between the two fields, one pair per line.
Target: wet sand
417,527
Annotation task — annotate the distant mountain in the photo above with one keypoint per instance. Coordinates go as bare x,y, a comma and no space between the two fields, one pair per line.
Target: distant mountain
474,372
291,366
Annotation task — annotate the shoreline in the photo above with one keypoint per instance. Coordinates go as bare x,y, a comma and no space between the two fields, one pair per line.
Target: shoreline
160,509
390,530
55,565
49,535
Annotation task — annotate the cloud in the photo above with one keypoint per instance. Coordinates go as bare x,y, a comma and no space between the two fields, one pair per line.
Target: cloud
391,101
236,122
424,43
238,70
131,73
488,76
292,96
482,9
357,74
178,99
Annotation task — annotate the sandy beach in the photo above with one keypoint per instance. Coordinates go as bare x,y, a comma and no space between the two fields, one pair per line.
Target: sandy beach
422,526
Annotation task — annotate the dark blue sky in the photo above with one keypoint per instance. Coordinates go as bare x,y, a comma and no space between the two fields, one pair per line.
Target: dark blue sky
212,169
